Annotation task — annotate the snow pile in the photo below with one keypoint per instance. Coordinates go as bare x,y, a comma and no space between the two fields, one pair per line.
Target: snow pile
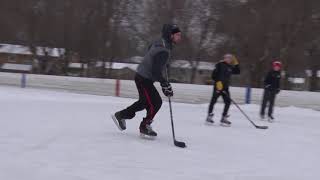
18,67
25,50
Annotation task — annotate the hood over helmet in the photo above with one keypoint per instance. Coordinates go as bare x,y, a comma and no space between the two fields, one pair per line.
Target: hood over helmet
168,30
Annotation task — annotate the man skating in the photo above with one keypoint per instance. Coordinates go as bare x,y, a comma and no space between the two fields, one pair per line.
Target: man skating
221,77
271,89
149,71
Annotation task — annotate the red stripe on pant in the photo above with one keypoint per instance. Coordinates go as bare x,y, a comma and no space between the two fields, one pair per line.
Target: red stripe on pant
151,114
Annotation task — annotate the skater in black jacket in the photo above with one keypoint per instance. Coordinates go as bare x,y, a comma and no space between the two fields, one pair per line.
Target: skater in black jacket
221,77
149,71
271,89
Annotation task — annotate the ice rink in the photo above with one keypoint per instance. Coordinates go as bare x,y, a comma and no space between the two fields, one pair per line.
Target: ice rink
48,135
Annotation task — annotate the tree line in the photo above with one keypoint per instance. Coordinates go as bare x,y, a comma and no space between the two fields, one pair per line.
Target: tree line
257,31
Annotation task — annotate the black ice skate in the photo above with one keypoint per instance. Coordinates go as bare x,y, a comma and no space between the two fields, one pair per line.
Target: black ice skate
146,131
120,122
209,119
224,122
271,118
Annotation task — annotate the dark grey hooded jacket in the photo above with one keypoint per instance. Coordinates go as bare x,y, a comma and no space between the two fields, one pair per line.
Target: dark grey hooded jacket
157,57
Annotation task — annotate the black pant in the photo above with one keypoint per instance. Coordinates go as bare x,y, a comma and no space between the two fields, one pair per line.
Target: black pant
269,96
226,99
149,99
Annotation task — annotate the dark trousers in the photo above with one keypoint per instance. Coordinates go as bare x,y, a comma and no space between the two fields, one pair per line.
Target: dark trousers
269,96
226,99
149,99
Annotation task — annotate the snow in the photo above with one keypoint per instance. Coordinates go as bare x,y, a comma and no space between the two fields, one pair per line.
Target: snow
19,67
25,50
117,66
297,80
77,65
57,135
123,66
183,64
309,73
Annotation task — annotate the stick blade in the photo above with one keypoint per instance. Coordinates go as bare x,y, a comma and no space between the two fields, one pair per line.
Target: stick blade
262,127
180,144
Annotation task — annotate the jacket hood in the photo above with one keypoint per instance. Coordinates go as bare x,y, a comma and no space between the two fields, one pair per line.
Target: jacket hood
167,31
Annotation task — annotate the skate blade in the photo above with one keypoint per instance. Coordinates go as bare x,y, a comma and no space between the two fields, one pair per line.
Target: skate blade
225,125
209,123
270,121
143,136
116,122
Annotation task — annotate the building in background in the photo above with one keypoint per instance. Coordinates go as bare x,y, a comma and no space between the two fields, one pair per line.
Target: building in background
20,59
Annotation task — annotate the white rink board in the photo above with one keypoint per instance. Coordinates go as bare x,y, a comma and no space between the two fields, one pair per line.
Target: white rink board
186,93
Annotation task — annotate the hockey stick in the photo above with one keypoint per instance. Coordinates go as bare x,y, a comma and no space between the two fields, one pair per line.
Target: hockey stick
175,142
248,118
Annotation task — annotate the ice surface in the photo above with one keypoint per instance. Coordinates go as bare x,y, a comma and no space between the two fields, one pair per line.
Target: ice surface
48,135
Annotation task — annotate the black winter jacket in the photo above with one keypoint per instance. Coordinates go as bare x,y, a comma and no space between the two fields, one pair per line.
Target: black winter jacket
272,81
223,73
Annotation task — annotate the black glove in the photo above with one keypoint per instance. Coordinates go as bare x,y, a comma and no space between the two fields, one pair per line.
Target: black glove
167,89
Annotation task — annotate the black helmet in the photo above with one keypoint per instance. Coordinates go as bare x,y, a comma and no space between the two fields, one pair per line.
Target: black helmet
168,30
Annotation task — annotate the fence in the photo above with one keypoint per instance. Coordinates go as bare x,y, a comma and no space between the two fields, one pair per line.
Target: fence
186,93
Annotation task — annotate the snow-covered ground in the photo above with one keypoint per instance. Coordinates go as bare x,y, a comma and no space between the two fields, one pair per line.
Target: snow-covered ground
47,135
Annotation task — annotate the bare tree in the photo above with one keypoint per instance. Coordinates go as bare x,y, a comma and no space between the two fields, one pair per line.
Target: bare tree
267,30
